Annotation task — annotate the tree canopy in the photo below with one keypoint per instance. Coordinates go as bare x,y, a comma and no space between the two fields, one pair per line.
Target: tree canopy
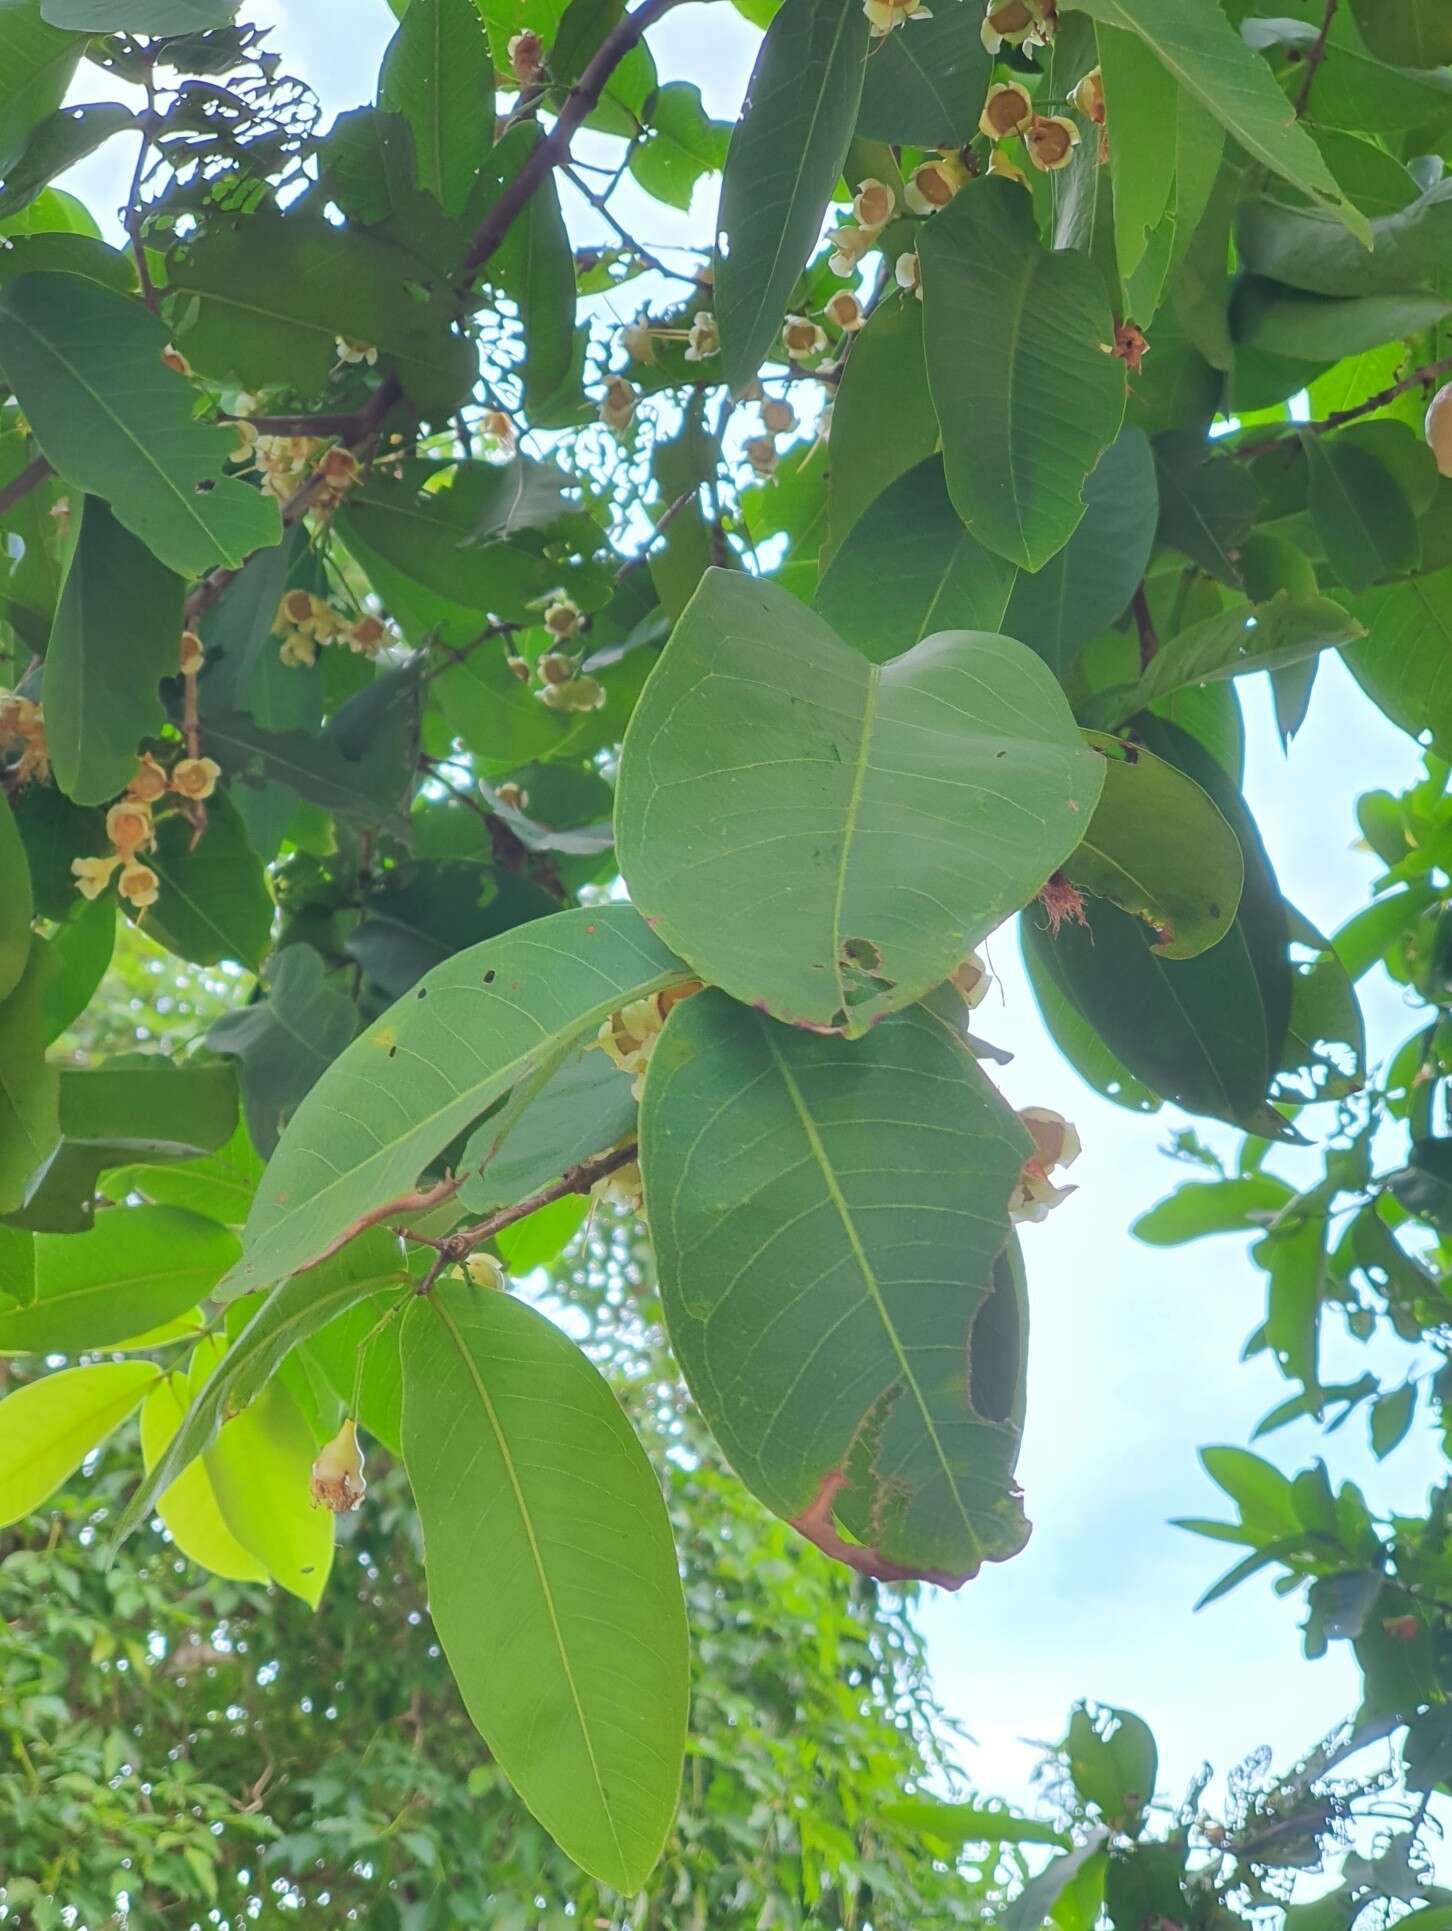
477,771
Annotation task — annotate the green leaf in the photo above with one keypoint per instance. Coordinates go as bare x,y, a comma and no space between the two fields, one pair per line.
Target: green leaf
79,953
17,1265
1026,396
86,367
57,143
556,1599
541,1237
114,639
907,810
883,422
189,1508
1207,57
1407,33
214,901
535,267
310,764
885,1389
784,162
1207,503
1365,525
1400,664
136,1268
219,1185
1201,1207
1308,249
29,1087
139,16
370,1327
1045,1890
519,1000
960,1824
1141,103
1265,1497
286,1041
17,904
259,1466
291,1314
1113,1763
50,1426
1325,328
925,88
1368,935
1077,1039
1391,1417
37,61
438,74
679,146
584,1107
274,293
1158,848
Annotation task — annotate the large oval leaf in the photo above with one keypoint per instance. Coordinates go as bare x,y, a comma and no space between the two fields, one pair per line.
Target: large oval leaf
883,421
50,1426
189,1506
925,88
17,904
431,1065
551,1572
784,161
828,838
85,364
1028,398
850,1321
260,1467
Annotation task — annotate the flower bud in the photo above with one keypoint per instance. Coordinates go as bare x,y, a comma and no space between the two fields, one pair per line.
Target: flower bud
92,875
129,828
972,980
174,359
518,667
483,1270
555,668
849,245
195,777
1439,428
761,454
150,782
623,1188
338,467
139,885
299,650
884,15
512,795
337,1482
933,185
193,654
1051,141
845,311
1008,109
802,339
779,417
347,351
908,273
617,406
1088,97
704,338
999,164
562,618
873,203
577,694
367,636
526,57
499,428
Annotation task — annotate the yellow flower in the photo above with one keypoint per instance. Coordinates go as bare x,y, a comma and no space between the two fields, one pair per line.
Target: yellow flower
884,15
1008,109
92,875
129,827
513,795
575,694
1015,23
499,428
139,885
485,1271
802,339
1088,97
999,164
704,338
845,311
195,777
849,245
873,203
295,611
367,636
617,406
933,185
638,342
555,668
623,1188
298,650
336,1481
1051,141
356,351
562,618
908,273
150,781
1056,1144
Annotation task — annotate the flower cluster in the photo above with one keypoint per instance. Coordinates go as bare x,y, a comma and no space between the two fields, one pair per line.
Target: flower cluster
873,206
304,622
284,462
23,723
1056,1144
1009,110
131,830
628,1037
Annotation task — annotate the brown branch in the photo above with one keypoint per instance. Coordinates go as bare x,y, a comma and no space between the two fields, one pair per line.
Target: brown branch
1421,378
410,1203
554,150
348,424
456,1247
1316,53
1144,623
33,474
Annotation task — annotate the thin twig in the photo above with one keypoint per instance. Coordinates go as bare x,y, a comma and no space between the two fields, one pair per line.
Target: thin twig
33,474
455,1247
135,212
602,208
1144,623
1315,54
1421,378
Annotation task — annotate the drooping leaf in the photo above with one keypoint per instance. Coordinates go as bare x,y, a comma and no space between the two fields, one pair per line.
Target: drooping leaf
1026,396
1316,328
276,292
286,1041
784,161
136,1268
1399,664
884,1389
86,367
259,1466
883,421
116,635
557,1601
1077,1039
48,1427
189,1507
17,904
1158,848
1202,51
517,1001
907,810
291,1313
437,73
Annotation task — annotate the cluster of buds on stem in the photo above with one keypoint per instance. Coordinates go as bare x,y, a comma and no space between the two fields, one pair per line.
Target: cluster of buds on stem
628,1037
1056,1144
304,622
131,829
23,722
563,686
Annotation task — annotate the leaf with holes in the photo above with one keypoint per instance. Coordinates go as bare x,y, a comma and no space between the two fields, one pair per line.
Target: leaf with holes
827,838
552,1575
831,1225
472,1029
85,364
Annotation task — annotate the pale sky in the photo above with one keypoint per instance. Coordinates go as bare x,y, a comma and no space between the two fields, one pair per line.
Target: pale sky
1134,1355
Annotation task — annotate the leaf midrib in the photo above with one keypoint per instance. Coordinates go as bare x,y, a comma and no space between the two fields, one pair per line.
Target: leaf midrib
537,1558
